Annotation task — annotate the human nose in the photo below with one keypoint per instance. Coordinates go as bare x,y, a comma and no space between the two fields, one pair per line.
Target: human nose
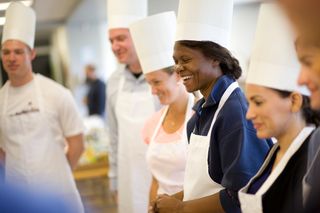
178,68
303,76
250,113
153,90
115,46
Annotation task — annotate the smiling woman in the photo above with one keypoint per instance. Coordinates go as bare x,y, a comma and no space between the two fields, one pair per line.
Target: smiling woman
188,54
278,108
223,147
164,131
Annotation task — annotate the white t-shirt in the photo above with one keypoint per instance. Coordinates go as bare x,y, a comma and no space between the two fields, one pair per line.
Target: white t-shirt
57,100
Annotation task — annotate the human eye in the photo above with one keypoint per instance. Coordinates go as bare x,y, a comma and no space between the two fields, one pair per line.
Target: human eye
121,38
185,60
5,52
156,83
19,51
258,102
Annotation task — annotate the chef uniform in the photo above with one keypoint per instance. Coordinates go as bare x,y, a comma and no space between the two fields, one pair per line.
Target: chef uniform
129,104
153,38
221,139
33,125
275,65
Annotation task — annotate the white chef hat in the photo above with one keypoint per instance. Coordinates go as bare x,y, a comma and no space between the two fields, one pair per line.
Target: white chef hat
205,20
121,13
274,62
153,38
20,24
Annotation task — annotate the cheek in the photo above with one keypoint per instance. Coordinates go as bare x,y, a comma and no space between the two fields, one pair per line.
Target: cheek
316,69
315,101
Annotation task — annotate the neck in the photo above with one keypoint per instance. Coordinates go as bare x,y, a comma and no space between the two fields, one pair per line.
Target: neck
135,67
180,104
291,132
20,81
207,90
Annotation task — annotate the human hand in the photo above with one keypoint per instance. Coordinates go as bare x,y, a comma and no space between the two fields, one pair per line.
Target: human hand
152,207
168,204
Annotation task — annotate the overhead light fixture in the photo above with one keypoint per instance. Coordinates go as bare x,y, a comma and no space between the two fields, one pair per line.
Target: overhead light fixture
4,6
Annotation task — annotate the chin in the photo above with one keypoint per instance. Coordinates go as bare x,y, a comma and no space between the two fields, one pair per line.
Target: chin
262,135
190,89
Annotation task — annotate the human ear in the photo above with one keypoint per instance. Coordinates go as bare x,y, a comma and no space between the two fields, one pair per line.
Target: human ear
33,54
215,63
296,101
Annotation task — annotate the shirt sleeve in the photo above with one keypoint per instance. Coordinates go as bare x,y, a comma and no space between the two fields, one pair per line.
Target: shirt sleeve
69,116
236,159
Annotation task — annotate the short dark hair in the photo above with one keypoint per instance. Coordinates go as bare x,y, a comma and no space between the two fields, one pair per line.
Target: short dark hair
228,64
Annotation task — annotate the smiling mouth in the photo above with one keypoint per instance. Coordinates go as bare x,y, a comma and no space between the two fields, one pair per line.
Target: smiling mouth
185,78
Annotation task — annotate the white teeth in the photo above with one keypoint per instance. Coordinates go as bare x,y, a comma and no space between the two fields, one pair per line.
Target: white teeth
186,77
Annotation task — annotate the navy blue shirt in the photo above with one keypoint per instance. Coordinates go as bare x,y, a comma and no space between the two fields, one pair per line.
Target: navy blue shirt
235,153
96,97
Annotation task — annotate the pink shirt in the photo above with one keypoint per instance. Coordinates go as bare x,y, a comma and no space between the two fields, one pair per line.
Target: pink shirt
161,137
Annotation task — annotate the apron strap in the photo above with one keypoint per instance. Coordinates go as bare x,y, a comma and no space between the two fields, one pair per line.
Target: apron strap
159,124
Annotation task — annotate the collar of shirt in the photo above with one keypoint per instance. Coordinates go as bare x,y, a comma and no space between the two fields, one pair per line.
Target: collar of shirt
214,98
129,75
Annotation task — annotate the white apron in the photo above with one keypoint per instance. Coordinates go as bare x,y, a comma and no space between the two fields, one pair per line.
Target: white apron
34,158
167,161
197,182
132,110
252,203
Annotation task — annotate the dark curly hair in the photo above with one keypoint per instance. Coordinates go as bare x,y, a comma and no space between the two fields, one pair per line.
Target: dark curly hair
228,64
311,116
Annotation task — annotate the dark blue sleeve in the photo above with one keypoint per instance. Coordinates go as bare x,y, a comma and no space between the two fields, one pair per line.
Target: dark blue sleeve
234,160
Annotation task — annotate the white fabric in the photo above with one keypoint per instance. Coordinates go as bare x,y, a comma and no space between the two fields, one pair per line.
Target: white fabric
252,203
274,62
133,176
153,38
205,20
167,161
20,24
121,13
34,139
197,182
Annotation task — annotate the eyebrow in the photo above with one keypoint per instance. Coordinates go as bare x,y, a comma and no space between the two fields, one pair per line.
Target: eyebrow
254,97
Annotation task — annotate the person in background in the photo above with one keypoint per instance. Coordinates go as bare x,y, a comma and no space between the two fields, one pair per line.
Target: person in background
164,131
41,130
279,108
96,96
304,15
224,151
129,104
